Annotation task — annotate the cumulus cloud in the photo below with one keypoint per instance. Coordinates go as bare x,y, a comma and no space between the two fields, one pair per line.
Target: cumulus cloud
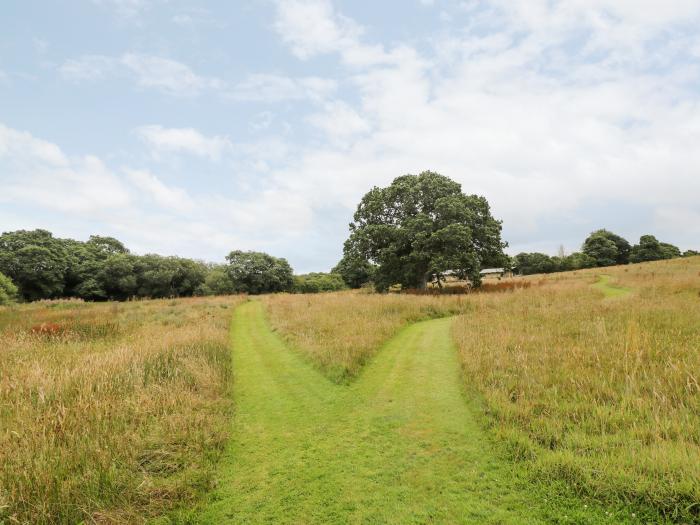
165,196
167,75
567,115
87,67
164,74
311,27
544,107
339,120
185,140
141,206
314,27
276,88
38,173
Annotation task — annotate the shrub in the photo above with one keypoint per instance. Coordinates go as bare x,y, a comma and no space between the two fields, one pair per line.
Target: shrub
8,290
318,282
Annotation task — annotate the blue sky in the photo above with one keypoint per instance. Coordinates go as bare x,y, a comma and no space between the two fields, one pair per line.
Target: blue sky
196,128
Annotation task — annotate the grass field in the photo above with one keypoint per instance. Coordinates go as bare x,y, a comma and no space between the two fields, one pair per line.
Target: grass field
111,413
572,400
599,386
339,332
589,378
398,445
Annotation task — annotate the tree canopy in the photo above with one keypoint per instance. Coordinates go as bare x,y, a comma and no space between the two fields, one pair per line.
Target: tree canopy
601,248
650,249
257,272
355,270
607,248
318,282
421,226
36,262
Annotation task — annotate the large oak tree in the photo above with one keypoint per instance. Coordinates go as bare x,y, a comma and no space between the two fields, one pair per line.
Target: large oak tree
422,226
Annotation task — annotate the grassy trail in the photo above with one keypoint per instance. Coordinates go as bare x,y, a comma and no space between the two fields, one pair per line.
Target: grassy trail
609,288
399,445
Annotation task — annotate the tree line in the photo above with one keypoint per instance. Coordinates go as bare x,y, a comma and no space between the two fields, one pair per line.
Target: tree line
601,248
36,265
417,230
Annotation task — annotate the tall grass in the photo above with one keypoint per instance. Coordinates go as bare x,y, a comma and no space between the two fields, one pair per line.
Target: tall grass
603,393
110,413
340,331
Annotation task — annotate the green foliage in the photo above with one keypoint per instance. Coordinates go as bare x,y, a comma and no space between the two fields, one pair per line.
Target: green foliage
670,251
578,261
603,252
354,270
606,248
650,249
532,263
257,272
690,253
217,282
8,290
601,248
421,226
102,268
35,261
318,282
160,276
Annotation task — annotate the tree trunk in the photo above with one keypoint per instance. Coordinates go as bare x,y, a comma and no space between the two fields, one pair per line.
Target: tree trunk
424,281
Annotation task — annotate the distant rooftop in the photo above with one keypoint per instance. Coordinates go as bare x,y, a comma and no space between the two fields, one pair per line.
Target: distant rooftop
487,271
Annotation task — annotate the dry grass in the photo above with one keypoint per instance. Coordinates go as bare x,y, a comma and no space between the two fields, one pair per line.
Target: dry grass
110,413
340,331
602,393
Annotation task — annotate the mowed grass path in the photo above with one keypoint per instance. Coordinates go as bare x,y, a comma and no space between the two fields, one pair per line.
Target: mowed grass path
399,445
609,288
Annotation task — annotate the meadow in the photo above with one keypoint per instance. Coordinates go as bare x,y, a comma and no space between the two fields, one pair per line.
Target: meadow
589,378
339,332
573,385
594,380
111,412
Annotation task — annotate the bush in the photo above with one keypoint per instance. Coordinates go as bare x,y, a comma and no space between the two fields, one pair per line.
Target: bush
8,290
318,282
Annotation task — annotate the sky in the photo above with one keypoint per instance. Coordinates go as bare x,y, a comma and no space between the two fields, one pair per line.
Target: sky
196,128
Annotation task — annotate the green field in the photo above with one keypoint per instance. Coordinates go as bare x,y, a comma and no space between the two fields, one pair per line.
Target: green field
572,400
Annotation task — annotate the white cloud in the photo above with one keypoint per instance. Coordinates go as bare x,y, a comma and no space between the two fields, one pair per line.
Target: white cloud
554,110
164,74
311,27
532,104
339,120
167,75
190,16
87,67
174,199
36,172
275,88
186,140
142,207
